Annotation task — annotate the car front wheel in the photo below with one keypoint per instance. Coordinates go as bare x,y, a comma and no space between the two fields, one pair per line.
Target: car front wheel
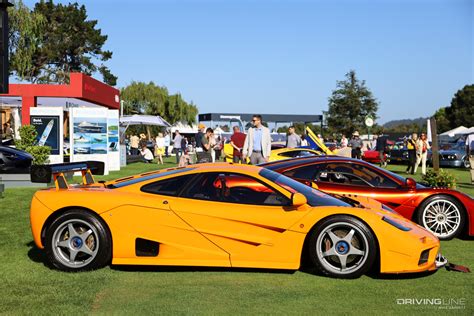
342,246
442,215
77,241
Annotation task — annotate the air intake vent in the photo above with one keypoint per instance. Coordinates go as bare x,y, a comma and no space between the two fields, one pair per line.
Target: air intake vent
146,248
424,257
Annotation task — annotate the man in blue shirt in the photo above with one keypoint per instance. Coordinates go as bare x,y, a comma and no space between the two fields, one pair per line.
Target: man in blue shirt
258,143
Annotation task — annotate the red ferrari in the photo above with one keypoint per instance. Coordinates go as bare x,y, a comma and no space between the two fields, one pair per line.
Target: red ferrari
444,212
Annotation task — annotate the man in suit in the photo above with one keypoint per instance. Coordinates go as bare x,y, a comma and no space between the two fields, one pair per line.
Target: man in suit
258,143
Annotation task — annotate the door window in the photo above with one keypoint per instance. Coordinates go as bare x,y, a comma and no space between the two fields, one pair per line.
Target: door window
169,187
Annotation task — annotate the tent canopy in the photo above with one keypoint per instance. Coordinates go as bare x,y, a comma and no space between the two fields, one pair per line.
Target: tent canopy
454,131
143,120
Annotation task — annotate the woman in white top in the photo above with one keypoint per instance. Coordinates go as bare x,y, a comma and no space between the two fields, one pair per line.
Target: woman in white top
422,147
159,147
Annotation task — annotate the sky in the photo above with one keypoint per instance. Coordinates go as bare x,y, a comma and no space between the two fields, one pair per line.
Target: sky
285,57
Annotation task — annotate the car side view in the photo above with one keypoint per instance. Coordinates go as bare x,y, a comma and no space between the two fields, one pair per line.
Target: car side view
219,215
444,212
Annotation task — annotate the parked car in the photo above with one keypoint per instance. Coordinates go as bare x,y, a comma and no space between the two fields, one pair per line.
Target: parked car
373,156
444,212
13,160
219,215
451,155
399,153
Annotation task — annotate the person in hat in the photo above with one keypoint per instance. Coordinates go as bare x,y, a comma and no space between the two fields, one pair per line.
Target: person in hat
356,145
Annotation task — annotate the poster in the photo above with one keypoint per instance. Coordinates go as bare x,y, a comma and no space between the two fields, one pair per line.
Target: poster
113,144
47,128
89,140
48,122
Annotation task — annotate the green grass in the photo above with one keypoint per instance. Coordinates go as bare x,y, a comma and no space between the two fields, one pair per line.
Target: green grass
28,286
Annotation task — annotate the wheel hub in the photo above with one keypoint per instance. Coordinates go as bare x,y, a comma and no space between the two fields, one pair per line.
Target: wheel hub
342,247
441,218
76,242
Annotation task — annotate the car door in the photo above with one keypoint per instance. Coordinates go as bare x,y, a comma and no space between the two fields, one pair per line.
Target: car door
151,223
357,179
246,217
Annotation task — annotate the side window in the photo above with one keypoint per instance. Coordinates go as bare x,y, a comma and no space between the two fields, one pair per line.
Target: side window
169,187
290,154
305,173
234,188
341,174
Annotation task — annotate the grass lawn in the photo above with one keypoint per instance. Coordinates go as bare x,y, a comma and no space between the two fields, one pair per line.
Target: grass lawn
27,286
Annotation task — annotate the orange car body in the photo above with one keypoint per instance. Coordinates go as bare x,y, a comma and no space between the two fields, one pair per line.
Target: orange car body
194,232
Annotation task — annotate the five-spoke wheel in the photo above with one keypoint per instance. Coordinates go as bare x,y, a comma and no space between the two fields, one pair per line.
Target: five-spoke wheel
342,246
77,240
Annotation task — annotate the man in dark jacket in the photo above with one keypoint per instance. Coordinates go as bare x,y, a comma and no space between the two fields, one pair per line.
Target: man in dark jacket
381,147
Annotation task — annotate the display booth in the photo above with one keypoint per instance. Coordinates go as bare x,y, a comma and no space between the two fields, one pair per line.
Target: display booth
79,120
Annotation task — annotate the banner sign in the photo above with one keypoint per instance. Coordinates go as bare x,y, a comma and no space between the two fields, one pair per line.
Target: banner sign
48,122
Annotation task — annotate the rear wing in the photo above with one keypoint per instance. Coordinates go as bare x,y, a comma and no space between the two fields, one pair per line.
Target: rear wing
56,172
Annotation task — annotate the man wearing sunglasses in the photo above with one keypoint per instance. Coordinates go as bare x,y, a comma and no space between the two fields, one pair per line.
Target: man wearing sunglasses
258,143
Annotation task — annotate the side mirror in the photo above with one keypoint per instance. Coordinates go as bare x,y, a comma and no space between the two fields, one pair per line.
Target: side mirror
298,199
410,183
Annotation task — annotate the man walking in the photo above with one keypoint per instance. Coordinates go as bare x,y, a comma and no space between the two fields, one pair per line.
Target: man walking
356,145
470,153
293,140
237,141
177,145
258,143
381,146
412,149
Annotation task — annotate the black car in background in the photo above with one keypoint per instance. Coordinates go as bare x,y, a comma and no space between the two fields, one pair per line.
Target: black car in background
399,153
13,160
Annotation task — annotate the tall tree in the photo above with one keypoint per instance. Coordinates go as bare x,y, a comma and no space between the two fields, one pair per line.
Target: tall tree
442,123
64,41
148,98
25,37
461,111
349,104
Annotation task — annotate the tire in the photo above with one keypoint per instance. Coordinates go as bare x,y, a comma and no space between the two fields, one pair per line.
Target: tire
89,248
467,163
442,215
329,243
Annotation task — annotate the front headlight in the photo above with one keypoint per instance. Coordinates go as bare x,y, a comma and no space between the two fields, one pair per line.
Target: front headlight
396,224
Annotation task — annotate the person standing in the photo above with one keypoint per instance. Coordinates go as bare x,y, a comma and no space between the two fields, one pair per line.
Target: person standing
177,145
304,142
381,147
237,141
344,141
218,148
159,147
422,147
207,145
199,136
411,146
258,142
470,153
167,144
143,141
293,140
134,141
356,145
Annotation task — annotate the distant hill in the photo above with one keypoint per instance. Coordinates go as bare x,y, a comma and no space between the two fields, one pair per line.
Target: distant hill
418,121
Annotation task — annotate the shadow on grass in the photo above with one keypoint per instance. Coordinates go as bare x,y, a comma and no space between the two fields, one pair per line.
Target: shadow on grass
130,268
36,254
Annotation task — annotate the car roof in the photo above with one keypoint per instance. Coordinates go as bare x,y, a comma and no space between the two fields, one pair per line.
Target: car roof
288,163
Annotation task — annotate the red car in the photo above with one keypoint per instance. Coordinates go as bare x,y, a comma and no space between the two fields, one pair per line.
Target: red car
373,156
444,212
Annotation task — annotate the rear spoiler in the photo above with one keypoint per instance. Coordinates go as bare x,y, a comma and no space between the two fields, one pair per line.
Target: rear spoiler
47,173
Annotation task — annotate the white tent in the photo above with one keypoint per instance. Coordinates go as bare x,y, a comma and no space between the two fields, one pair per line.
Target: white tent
454,131
136,119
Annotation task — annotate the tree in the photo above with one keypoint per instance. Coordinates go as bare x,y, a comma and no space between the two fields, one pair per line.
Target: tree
442,123
56,40
461,111
25,37
349,104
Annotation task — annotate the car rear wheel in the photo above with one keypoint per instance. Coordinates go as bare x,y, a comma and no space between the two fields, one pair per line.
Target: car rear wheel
78,241
342,246
442,215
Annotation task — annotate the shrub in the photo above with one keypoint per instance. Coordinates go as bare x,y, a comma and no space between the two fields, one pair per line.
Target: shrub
443,179
27,143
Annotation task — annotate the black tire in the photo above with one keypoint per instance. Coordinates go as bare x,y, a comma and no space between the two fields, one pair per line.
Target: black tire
89,248
466,163
442,215
327,252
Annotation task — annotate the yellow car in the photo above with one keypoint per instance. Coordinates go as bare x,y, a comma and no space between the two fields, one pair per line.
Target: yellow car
221,215
286,153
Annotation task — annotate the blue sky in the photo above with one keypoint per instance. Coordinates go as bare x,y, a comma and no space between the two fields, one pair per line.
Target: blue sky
285,56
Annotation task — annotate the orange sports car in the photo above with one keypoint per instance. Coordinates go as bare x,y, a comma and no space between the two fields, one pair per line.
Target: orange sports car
218,215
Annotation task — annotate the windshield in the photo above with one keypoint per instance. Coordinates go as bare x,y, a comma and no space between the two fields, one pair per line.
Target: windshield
314,197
